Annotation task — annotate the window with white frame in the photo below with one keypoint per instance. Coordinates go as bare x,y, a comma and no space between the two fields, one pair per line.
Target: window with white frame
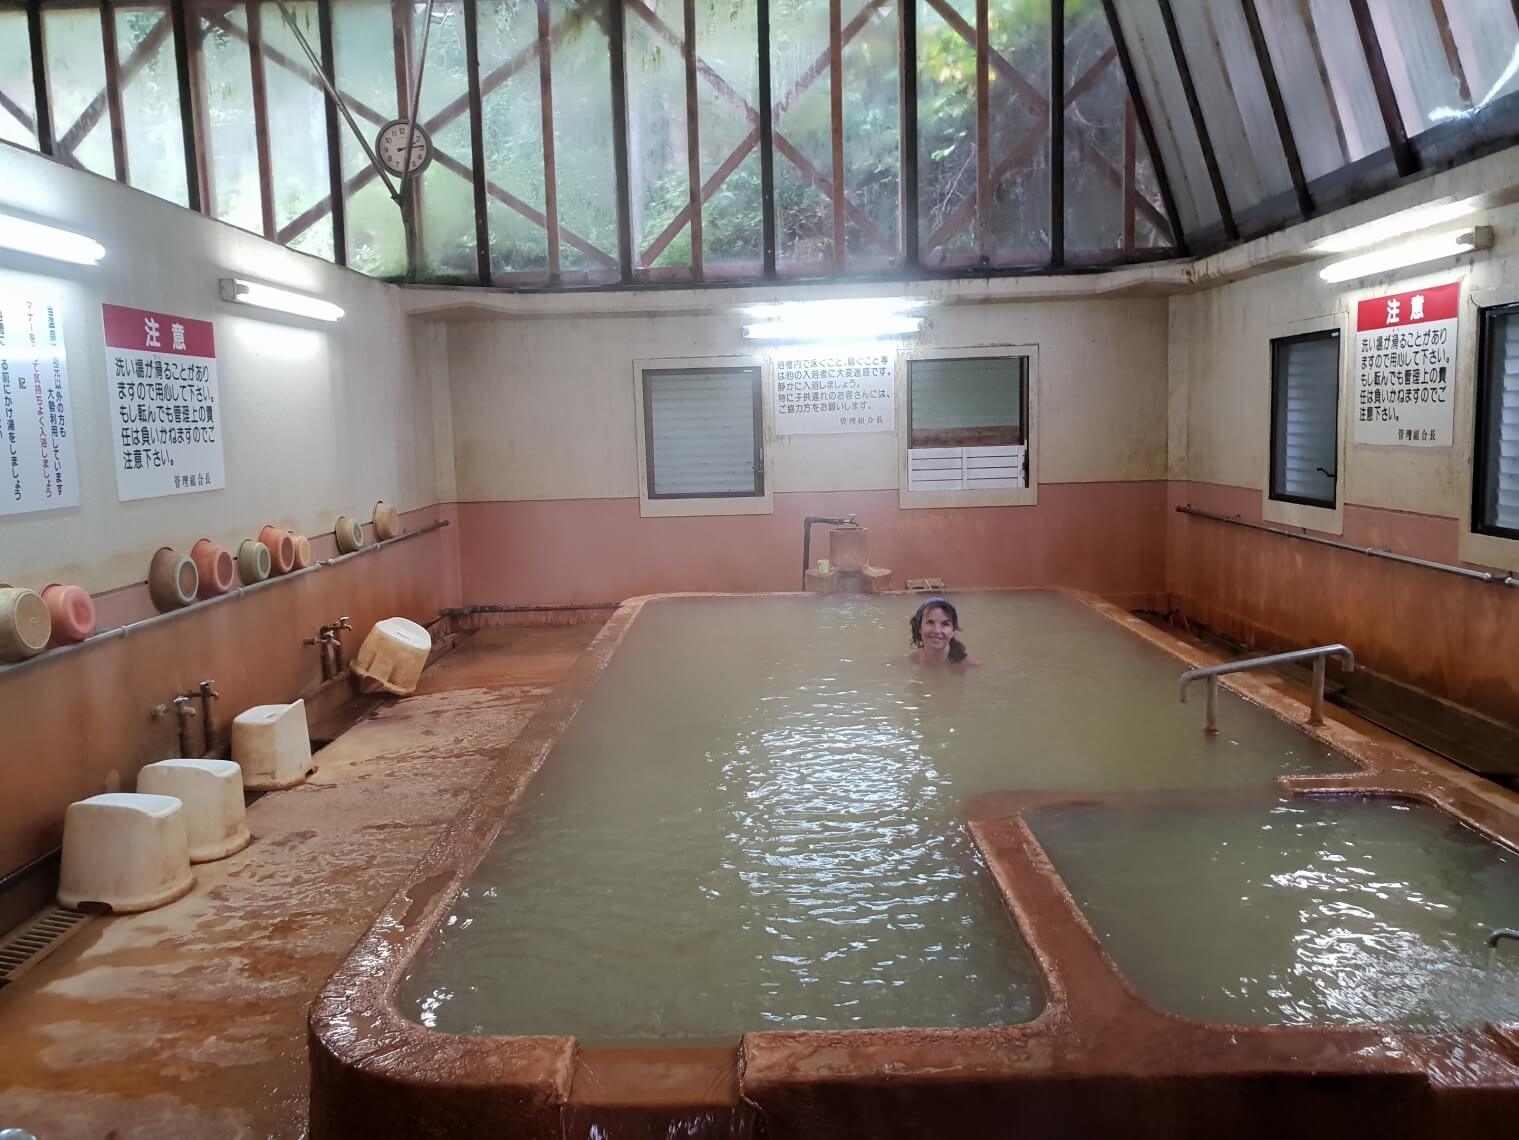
968,426
1305,418
703,432
1495,474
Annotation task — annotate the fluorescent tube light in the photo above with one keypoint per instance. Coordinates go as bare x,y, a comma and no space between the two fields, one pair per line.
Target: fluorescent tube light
280,300
48,241
1394,225
844,319
1416,251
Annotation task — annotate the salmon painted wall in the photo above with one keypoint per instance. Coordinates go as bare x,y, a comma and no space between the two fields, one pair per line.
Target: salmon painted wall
1103,537
1455,637
545,427
318,420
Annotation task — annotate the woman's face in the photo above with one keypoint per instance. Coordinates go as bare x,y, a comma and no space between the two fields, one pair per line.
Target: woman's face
938,628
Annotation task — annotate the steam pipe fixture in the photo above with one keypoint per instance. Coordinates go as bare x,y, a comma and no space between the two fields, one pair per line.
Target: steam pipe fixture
184,712
807,524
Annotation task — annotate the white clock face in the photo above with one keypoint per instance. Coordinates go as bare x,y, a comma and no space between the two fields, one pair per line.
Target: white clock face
392,147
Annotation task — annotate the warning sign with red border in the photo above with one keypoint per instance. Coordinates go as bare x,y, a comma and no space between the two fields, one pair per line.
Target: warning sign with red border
166,424
1406,367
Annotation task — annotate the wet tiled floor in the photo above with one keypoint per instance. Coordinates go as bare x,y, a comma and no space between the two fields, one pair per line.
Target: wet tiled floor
190,1021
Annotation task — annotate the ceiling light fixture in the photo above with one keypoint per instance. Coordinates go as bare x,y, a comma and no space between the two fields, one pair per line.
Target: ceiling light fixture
48,241
1394,225
279,300
1416,251
844,319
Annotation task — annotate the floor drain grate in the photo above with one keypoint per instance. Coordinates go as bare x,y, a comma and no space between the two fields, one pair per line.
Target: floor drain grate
33,941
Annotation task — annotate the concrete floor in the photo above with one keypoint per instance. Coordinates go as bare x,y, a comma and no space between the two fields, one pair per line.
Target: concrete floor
190,1021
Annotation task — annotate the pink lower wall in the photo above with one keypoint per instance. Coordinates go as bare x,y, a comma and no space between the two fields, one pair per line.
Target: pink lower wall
79,722
1454,637
1105,537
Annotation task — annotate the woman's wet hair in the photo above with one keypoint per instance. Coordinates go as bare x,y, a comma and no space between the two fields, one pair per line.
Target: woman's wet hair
957,651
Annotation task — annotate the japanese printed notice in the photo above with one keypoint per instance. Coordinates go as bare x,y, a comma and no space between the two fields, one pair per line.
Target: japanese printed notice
1406,367
165,412
844,392
36,416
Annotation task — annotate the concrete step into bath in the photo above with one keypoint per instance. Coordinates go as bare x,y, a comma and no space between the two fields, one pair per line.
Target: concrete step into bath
211,791
126,851
272,746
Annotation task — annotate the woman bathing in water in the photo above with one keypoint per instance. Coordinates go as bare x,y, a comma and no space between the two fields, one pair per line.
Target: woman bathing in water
933,635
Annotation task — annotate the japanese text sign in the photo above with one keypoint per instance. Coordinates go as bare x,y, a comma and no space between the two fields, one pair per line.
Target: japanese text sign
1406,367
848,391
166,427
37,469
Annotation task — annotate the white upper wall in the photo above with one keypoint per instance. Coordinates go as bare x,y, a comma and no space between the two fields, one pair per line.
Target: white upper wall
320,420
1221,364
543,407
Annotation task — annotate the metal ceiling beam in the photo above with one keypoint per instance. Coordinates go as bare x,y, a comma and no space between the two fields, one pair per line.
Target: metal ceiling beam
253,15
907,67
546,117
1141,113
195,172
1381,82
477,143
38,43
1278,108
330,106
617,41
693,140
1210,160
113,89
766,145
1057,133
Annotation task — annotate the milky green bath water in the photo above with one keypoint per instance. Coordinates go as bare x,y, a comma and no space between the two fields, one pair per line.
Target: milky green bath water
754,822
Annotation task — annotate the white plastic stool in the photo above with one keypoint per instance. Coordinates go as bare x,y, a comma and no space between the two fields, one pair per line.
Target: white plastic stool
272,746
126,851
212,793
393,656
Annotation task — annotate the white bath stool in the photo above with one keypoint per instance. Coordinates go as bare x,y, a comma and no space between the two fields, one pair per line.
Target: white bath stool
272,746
212,794
393,656
124,850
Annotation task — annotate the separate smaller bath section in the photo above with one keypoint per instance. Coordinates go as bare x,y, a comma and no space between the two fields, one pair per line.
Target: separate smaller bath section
1295,910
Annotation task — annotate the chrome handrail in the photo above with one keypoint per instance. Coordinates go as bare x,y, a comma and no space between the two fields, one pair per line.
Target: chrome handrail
1318,655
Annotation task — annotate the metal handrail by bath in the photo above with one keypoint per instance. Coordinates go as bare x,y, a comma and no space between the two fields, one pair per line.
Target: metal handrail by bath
1371,551
1318,655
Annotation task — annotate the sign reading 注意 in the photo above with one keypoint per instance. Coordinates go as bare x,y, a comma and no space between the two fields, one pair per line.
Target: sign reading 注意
1406,367
166,425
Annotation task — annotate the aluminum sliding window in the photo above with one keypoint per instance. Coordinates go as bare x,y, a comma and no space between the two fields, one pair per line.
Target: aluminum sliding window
1305,417
1495,474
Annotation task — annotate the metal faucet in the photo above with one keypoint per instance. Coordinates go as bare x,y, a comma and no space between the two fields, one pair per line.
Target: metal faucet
1499,935
183,710
329,643
206,693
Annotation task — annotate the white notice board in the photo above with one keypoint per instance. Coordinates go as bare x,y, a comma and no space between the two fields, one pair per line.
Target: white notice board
166,425
36,414
838,392
1406,367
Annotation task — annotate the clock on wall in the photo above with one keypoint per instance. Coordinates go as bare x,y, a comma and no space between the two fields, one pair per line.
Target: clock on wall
390,145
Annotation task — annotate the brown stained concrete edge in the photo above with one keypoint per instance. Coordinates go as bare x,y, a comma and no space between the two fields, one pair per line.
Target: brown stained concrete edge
375,1073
